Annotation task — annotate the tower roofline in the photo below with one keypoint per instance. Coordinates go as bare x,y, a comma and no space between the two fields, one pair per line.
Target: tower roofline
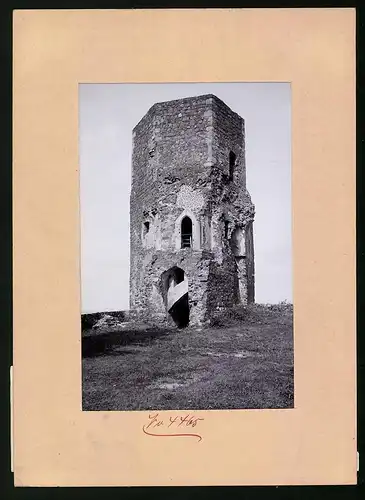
173,102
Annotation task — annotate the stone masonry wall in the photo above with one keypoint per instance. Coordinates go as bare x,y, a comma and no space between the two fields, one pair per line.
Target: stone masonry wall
180,166
231,208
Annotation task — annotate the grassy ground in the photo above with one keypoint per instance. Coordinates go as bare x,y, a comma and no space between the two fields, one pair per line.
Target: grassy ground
244,361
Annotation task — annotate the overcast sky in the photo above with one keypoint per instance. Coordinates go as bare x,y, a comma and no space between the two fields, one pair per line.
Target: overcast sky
108,113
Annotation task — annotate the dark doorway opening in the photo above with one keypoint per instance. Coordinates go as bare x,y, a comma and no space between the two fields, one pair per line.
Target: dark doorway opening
174,286
180,311
178,275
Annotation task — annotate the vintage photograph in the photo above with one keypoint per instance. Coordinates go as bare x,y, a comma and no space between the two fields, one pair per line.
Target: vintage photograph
186,246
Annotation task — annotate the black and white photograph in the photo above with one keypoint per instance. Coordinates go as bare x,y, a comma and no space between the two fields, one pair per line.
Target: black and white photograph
186,246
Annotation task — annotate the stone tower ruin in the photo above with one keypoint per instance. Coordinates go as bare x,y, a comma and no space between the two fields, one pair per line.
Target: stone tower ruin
191,216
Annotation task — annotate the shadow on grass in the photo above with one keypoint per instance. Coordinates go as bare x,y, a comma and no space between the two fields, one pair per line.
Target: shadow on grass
98,344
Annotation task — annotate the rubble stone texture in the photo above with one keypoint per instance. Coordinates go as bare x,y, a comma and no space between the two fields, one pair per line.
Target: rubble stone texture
189,188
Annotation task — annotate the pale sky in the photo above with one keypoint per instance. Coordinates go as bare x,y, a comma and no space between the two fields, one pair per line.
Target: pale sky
108,113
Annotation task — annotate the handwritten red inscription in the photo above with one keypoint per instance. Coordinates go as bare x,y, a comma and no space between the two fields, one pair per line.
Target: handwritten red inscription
172,426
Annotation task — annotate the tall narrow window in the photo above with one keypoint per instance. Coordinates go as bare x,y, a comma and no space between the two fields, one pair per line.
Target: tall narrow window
186,233
226,227
232,164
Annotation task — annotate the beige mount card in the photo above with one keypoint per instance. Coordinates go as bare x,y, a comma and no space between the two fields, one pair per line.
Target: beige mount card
55,443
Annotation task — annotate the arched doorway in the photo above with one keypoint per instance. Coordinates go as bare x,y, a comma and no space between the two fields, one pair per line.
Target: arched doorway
174,286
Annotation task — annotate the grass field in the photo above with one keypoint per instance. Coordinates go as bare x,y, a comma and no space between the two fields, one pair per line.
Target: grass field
244,361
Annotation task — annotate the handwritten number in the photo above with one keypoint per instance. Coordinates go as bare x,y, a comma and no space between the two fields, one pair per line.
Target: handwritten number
172,421
178,421
153,419
183,420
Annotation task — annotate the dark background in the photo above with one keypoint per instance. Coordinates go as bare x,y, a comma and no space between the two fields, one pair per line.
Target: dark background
279,492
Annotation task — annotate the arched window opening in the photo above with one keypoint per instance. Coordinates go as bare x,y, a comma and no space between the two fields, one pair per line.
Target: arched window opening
146,228
186,233
232,164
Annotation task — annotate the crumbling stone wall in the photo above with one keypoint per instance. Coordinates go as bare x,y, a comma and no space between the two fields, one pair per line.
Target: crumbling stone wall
182,166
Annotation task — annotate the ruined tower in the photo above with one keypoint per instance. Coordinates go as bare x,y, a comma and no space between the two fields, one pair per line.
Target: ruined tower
191,216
